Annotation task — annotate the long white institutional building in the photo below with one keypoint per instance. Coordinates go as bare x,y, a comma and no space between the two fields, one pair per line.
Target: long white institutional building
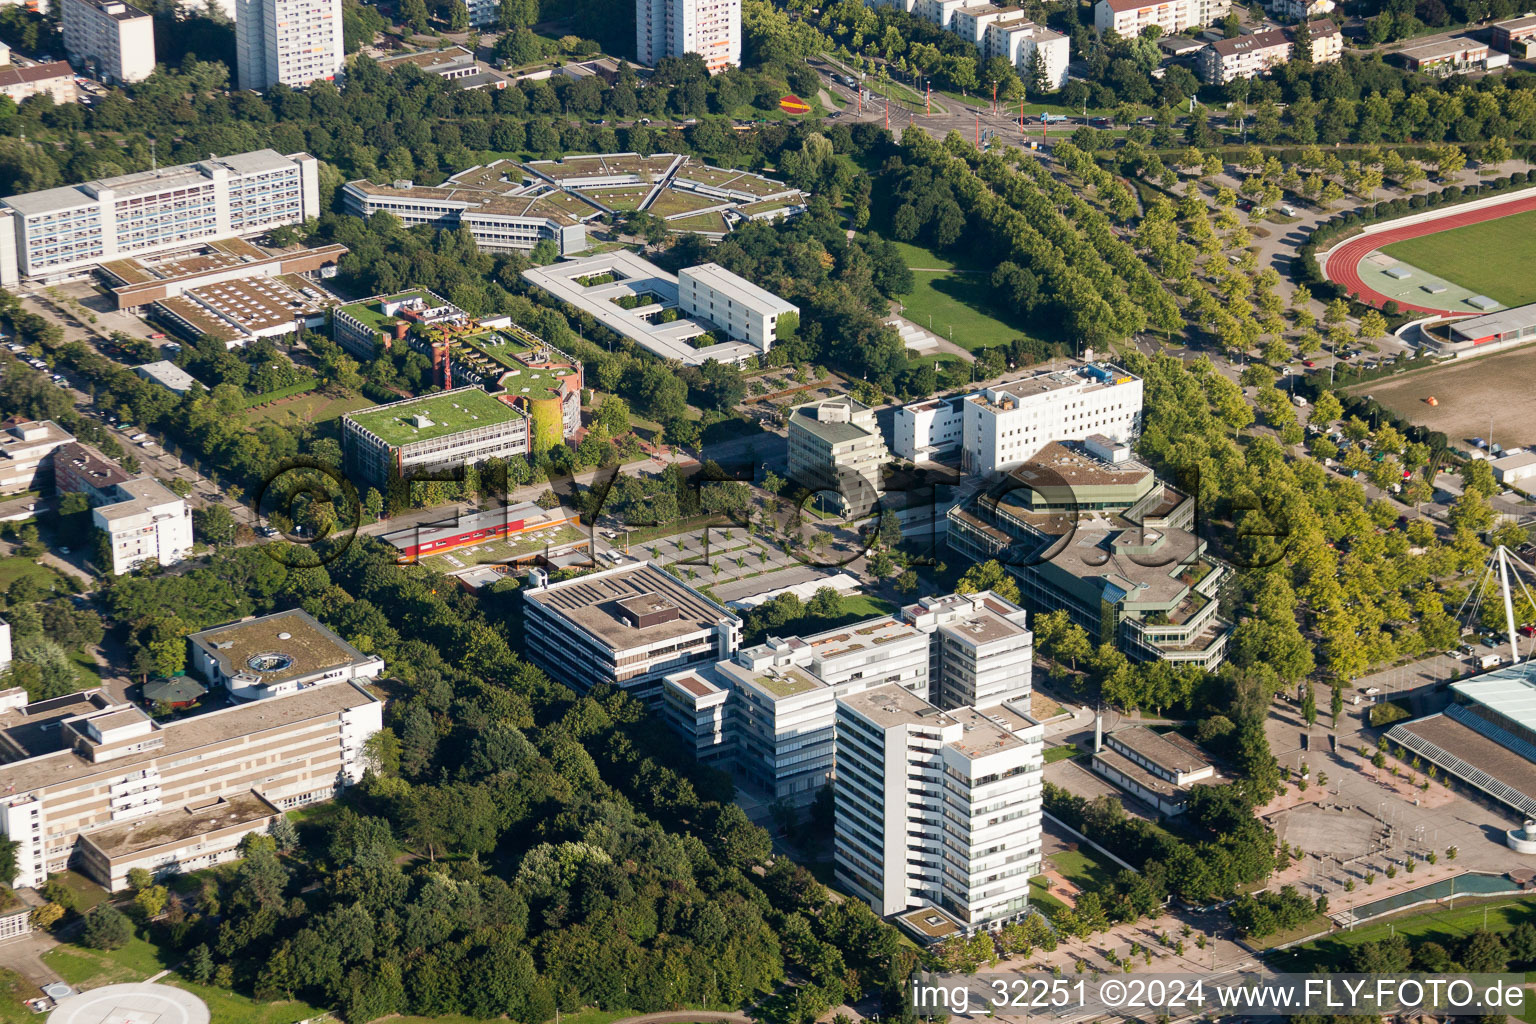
59,233
1005,425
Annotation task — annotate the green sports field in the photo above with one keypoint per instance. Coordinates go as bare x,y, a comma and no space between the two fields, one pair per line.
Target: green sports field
1466,256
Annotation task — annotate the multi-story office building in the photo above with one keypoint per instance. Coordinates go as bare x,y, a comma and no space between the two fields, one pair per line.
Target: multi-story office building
26,454
113,39
731,302
1091,530
672,28
629,625
1128,18
937,808
503,207
288,42
837,452
443,430
980,654
1005,425
90,782
276,655
62,232
769,711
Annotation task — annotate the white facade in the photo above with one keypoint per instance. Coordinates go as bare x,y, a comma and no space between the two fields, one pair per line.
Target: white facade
1018,41
1005,425
292,42
731,302
770,711
82,771
114,38
1128,18
937,808
672,28
147,522
1296,10
62,232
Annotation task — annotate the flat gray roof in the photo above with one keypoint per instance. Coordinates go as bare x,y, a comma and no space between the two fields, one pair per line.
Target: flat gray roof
1170,752
1510,691
739,289
144,182
592,603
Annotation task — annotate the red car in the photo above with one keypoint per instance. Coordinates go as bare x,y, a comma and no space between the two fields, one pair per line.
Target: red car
1308,363
1527,630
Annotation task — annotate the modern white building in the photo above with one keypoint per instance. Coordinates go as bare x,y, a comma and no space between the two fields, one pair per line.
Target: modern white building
1005,425
91,782
672,28
769,712
937,808
1158,768
113,39
276,655
732,303
628,626
146,522
292,42
1127,18
837,450
60,233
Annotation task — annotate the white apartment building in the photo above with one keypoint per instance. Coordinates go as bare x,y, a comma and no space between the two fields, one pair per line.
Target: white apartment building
1327,41
277,655
1018,39
769,712
25,448
111,38
60,233
729,301
1296,10
837,451
1004,425
55,79
1127,18
997,31
629,626
292,42
147,521
672,28
937,808
90,782
1227,60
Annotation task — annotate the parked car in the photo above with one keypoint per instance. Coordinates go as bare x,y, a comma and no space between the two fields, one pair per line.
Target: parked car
1308,363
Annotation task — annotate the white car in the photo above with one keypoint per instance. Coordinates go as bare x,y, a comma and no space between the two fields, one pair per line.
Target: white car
139,437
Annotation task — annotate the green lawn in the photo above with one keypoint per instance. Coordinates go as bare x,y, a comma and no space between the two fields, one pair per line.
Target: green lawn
310,407
14,567
1040,896
1083,868
13,989
1461,257
1441,925
957,301
93,968
1061,753
227,1007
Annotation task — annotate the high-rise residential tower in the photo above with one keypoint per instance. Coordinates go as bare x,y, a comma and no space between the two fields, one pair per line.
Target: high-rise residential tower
295,42
671,28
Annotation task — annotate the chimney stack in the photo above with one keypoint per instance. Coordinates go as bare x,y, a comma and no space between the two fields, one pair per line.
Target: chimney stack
1098,731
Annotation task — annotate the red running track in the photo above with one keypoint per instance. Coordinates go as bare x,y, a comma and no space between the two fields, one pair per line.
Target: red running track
1343,266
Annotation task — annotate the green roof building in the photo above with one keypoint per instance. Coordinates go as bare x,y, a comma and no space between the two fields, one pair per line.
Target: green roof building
460,427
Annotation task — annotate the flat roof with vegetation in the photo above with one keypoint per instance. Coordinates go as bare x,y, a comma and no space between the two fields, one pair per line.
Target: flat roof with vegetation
371,311
450,412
